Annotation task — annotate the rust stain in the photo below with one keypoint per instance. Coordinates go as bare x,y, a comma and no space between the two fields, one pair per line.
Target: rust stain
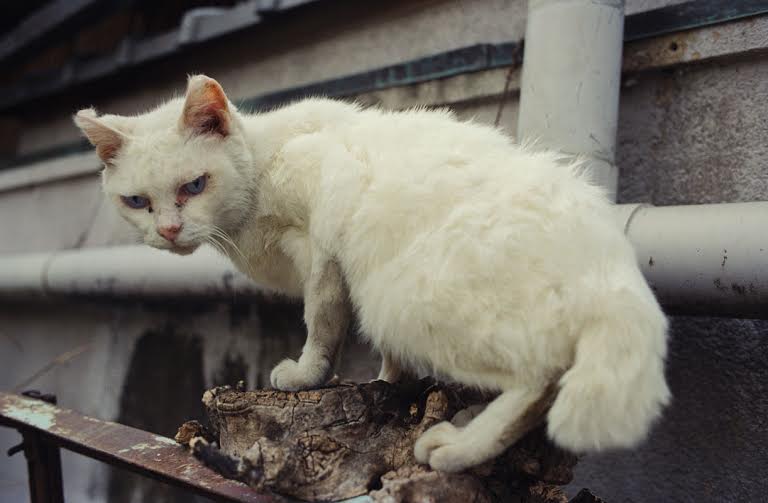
658,52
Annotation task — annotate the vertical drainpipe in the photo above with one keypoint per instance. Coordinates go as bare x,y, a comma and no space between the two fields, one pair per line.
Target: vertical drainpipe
569,96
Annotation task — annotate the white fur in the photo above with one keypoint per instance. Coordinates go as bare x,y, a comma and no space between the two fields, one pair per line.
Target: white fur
464,254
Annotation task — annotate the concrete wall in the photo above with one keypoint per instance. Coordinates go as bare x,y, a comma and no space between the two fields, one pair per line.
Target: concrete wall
688,134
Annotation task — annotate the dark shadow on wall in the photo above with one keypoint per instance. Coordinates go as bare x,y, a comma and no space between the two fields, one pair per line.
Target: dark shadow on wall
232,369
161,390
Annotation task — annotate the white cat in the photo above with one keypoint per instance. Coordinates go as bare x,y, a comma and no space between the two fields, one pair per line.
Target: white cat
461,253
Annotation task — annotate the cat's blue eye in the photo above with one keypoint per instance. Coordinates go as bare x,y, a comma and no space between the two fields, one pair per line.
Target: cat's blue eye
135,202
196,186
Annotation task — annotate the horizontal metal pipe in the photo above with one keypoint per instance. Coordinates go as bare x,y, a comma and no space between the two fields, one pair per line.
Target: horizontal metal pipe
121,272
707,259
699,259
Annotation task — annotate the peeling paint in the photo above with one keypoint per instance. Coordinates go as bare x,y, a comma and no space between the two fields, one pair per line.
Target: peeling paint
141,447
38,414
145,446
358,499
165,440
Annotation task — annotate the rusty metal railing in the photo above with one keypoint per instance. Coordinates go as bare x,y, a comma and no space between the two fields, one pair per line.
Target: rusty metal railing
46,428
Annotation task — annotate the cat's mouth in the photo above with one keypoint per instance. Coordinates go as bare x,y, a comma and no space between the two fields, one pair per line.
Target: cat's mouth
178,249
182,250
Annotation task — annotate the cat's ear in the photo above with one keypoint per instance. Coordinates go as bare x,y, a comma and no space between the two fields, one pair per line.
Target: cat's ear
101,133
206,109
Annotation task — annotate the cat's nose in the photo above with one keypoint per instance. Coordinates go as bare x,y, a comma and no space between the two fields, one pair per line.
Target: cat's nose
170,232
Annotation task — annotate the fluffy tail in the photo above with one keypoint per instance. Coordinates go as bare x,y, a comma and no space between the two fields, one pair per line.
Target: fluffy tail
615,389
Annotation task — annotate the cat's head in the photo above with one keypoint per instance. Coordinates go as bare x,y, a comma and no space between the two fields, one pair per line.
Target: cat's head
181,173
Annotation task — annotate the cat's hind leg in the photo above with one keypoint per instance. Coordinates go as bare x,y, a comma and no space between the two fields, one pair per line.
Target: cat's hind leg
504,421
464,416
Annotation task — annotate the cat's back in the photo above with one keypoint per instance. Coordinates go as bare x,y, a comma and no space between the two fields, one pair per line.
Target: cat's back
434,151
425,182
384,180
408,147
429,163
420,138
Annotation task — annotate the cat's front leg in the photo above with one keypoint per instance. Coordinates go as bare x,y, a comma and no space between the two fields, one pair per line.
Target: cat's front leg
391,371
327,313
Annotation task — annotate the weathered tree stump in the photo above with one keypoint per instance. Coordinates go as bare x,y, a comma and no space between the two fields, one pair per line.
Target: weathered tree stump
350,440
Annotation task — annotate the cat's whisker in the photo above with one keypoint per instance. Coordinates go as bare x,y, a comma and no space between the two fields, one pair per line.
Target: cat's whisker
212,241
218,232
221,247
218,246
223,235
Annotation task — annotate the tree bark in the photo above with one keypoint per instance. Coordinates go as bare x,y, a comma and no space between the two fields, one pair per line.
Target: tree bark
349,440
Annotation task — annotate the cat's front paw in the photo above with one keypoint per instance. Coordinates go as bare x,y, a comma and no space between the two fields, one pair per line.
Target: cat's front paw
290,375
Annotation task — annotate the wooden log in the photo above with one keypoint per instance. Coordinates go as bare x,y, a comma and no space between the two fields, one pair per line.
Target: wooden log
350,440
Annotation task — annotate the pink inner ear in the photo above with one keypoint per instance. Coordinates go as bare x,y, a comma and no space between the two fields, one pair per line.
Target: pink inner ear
206,111
107,150
106,140
209,120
